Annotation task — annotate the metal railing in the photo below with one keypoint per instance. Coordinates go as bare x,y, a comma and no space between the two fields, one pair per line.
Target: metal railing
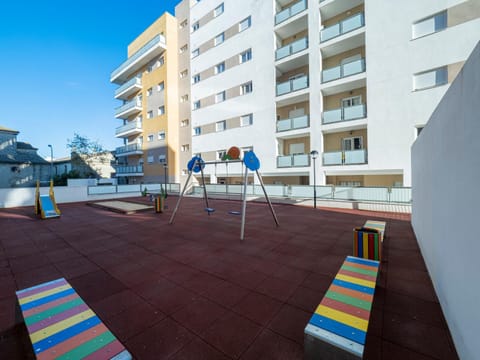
351,157
344,70
132,104
132,125
136,81
135,188
292,85
349,24
129,169
344,114
291,48
128,148
298,122
293,160
291,11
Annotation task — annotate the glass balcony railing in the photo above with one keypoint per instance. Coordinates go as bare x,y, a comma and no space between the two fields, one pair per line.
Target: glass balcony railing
344,114
129,107
134,169
297,160
291,11
128,148
351,157
298,122
132,125
291,49
134,82
292,85
344,70
352,23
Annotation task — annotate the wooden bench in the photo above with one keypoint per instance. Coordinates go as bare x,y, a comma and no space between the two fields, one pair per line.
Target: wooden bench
61,325
338,328
368,240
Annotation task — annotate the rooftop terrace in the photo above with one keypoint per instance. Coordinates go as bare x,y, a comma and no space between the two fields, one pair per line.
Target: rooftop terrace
193,290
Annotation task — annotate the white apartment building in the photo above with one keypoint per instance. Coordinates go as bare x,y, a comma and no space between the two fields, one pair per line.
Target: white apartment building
355,80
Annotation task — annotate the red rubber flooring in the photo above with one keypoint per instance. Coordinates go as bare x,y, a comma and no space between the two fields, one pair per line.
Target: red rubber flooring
193,290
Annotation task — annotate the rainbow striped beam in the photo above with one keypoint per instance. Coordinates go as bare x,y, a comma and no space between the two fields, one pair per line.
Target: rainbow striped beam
367,240
62,326
338,327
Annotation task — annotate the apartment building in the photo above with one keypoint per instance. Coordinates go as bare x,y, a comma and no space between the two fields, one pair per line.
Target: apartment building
355,80
148,89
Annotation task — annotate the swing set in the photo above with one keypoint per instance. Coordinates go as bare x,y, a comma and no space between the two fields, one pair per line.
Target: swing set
250,162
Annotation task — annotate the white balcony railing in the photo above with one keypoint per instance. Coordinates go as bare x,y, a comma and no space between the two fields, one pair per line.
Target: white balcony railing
298,160
352,23
292,85
128,108
351,157
344,114
344,70
132,169
291,49
291,11
132,126
298,122
134,83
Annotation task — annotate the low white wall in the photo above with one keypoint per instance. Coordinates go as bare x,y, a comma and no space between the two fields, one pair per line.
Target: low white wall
446,200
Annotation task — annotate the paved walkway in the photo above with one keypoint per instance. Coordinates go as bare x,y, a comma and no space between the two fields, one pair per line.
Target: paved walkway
193,290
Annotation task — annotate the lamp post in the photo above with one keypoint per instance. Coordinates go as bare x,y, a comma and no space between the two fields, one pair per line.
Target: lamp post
314,155
51,161
165,168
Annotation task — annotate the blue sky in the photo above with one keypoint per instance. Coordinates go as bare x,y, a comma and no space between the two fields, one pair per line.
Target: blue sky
55,63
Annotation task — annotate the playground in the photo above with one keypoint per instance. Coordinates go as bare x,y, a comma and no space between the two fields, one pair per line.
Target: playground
194,290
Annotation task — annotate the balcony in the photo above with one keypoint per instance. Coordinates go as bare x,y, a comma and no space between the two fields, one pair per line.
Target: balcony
344,114
135,170
352,23
292,85
299,122
351,157
128,109
290,12
291,49
128,89
142,57
344,70
131,128
131,149
298,160
332,8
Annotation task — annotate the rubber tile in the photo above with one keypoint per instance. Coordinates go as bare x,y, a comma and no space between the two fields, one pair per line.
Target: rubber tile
199,350
290,322
258,308
271,346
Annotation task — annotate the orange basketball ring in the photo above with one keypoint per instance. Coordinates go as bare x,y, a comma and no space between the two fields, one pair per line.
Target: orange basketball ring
234,153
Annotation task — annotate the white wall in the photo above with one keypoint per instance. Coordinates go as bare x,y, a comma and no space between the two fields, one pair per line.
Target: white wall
446,200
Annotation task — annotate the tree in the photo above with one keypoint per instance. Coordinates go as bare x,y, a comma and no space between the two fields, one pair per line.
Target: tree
87,156
83,145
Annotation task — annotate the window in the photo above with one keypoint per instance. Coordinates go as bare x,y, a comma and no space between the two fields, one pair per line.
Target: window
184,98
161,135
429,25
160,62
150,159
195,26
245,24
220,38
219,68
183,48
161,110
196,78
149,68
185,147
149,92
150,114
220,97
431,78
150,138
218,10
246,88
196,105
197,131
246,120
419,129
183,24
183,74
161,86
220,125
246,56
221,154
162,158
184,123
352,143
139,118
195,53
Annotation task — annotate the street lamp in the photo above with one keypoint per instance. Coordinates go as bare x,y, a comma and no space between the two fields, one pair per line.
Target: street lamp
51,161
314,155
165,168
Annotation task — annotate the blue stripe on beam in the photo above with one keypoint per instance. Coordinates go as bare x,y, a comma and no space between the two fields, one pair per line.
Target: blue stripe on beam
47,299
363,261
349,285
338,328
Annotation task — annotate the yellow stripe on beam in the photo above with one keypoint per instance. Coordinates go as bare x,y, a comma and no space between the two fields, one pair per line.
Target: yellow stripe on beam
44,294
61,325
355,280
342,317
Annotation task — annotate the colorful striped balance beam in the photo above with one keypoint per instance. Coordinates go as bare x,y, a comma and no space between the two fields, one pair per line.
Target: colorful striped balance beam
368,240
62,326
338,328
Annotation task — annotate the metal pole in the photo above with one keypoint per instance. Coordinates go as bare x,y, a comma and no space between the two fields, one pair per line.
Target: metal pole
314,185
180,198
244,204
51,161
165,167
268,200
203,184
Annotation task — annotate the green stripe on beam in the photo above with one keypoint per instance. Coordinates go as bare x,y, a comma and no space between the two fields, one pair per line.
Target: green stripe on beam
360,271
53,311
89,347
366,305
